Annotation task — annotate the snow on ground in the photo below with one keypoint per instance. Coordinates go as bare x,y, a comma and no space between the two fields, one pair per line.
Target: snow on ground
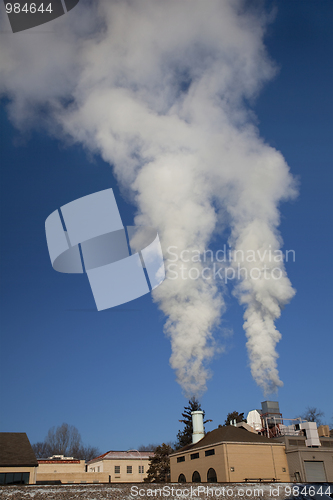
138,491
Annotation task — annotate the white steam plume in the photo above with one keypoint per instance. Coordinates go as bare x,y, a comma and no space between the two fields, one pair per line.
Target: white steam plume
159,89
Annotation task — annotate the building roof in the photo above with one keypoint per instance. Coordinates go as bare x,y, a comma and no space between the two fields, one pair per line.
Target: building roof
57,461
16,450
227,433
123,455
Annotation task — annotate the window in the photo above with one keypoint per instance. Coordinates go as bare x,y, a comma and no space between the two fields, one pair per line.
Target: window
14,478
181,478
284,469
141,469
296,442
9,478
194,456
117,469
129,469
180,459
196,477
232,469
98,468
211,476
209,452
17,477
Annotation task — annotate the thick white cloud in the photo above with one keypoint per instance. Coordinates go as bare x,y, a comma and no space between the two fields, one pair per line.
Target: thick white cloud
159,89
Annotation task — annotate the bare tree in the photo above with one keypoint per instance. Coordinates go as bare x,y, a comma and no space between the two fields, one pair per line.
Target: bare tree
87,453
148,447
64,440
41,450
312,414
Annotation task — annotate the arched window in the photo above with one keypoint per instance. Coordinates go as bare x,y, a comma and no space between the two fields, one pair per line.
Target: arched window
211,476
181,478
196,477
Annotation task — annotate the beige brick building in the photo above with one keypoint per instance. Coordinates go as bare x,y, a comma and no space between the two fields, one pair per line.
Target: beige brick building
230,454
122,466
66,470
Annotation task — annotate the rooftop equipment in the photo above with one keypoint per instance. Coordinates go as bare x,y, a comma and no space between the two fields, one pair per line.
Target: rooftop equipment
254,420
271,413
311,433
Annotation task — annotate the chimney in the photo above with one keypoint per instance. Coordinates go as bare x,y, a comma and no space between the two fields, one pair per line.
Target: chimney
198,427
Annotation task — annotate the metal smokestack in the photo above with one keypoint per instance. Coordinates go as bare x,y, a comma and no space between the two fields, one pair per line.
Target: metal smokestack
198,426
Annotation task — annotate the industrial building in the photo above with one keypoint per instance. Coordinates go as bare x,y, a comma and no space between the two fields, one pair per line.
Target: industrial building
229,454
263,449
309,452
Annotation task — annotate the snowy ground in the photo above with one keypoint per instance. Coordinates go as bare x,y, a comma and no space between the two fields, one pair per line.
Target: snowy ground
259,491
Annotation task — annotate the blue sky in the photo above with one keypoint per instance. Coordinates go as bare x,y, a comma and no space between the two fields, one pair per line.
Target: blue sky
108,372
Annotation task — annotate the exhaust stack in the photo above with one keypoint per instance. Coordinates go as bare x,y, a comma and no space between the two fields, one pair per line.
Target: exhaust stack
198,426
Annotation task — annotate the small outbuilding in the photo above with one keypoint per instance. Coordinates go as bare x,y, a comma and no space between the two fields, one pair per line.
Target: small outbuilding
18,463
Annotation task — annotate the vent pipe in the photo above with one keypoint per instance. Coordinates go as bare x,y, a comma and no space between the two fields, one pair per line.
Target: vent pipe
198,427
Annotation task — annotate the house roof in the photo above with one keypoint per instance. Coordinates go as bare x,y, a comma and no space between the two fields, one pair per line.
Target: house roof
16,450
123,455
227,433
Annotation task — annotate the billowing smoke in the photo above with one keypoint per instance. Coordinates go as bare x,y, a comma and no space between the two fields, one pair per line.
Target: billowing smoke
160,89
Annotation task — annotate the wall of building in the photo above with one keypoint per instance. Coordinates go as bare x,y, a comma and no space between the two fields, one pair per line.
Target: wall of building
108,466
297,452
51,466
234,462
254,461
201,464
96,466
297,457
74,477
31,470
73,471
